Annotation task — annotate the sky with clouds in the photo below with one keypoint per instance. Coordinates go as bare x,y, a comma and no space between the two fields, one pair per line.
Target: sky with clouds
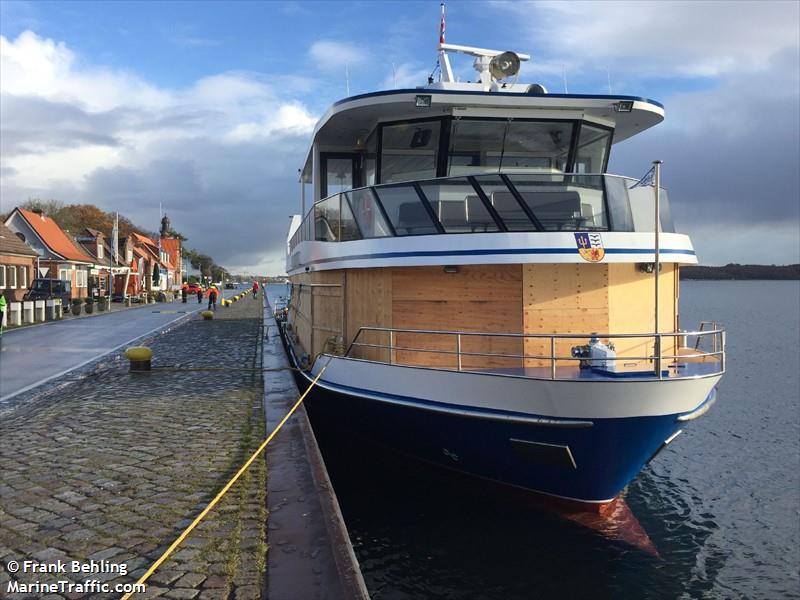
206,107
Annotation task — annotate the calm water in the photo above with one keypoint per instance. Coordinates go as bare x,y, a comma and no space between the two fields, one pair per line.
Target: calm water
721,505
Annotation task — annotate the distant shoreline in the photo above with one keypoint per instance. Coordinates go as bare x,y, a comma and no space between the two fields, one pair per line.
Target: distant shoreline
742,272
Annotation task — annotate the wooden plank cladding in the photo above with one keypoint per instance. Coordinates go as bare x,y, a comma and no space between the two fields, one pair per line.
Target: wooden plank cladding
563,298
369,304
531,298
317,308
478,298
631,300
603,298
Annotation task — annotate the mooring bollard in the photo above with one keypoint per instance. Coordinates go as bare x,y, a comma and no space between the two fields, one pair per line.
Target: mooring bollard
207,315
140,357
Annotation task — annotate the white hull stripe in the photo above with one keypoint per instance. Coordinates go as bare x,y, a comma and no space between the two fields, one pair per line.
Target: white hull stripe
462,411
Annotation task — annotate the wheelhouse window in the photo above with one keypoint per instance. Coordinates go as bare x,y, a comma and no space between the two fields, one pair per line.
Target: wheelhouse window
409,151
487,146
540,145
592,152
476,146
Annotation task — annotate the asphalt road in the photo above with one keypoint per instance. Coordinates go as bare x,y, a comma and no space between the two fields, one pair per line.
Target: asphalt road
31,356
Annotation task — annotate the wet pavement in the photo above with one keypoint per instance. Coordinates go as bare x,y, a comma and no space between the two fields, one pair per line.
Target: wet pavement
112,467
30,356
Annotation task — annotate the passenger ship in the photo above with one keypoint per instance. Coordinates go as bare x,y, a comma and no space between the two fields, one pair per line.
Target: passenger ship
474,290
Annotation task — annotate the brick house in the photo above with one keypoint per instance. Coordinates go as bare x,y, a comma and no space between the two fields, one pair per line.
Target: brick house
17,265
59,256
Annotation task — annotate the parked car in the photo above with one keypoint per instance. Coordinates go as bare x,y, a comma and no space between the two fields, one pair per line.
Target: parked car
194,288
230,286
47,289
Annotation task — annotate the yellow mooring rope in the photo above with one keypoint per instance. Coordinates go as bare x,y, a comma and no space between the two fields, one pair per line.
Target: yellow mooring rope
225,489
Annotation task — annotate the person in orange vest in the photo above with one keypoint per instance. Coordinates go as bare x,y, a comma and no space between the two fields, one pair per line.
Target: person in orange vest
255,289
184,292
212,294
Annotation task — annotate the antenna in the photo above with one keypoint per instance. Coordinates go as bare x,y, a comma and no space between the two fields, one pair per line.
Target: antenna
347,78
394,77
608,74
564,74
445,70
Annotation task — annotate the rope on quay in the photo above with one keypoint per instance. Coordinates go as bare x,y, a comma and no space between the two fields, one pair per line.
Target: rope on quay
225,489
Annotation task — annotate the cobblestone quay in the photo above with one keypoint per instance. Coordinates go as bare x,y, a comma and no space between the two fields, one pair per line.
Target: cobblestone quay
113,467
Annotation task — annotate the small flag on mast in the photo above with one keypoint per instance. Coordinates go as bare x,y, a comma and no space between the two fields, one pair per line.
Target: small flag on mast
649,179
441,27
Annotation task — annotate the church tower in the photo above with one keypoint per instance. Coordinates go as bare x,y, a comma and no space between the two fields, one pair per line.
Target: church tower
164,226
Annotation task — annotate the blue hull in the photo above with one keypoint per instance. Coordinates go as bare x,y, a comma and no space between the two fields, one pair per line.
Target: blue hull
601,460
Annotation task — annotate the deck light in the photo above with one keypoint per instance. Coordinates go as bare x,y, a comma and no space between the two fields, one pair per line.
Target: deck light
451,268
422,101
623,106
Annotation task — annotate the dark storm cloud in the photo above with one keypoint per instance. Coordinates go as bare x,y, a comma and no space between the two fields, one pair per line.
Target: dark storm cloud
232,201
731,155
34,124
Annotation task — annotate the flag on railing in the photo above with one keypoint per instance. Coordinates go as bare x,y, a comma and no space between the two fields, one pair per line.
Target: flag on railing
649,179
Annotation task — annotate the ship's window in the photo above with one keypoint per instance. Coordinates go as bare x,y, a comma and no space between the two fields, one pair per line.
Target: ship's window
476,146
592,151
338,174
409,151
537,145
458,207
368,214
563,202
506,205
405,210
485,146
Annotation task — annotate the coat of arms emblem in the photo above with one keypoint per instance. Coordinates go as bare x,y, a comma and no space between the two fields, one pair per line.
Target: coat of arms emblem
590,246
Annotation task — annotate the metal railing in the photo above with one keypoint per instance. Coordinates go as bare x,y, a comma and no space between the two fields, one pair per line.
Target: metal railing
684,353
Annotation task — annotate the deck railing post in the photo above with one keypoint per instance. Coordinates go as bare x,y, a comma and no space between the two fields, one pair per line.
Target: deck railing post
458,349
552,358
722,341
658,356
391,346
